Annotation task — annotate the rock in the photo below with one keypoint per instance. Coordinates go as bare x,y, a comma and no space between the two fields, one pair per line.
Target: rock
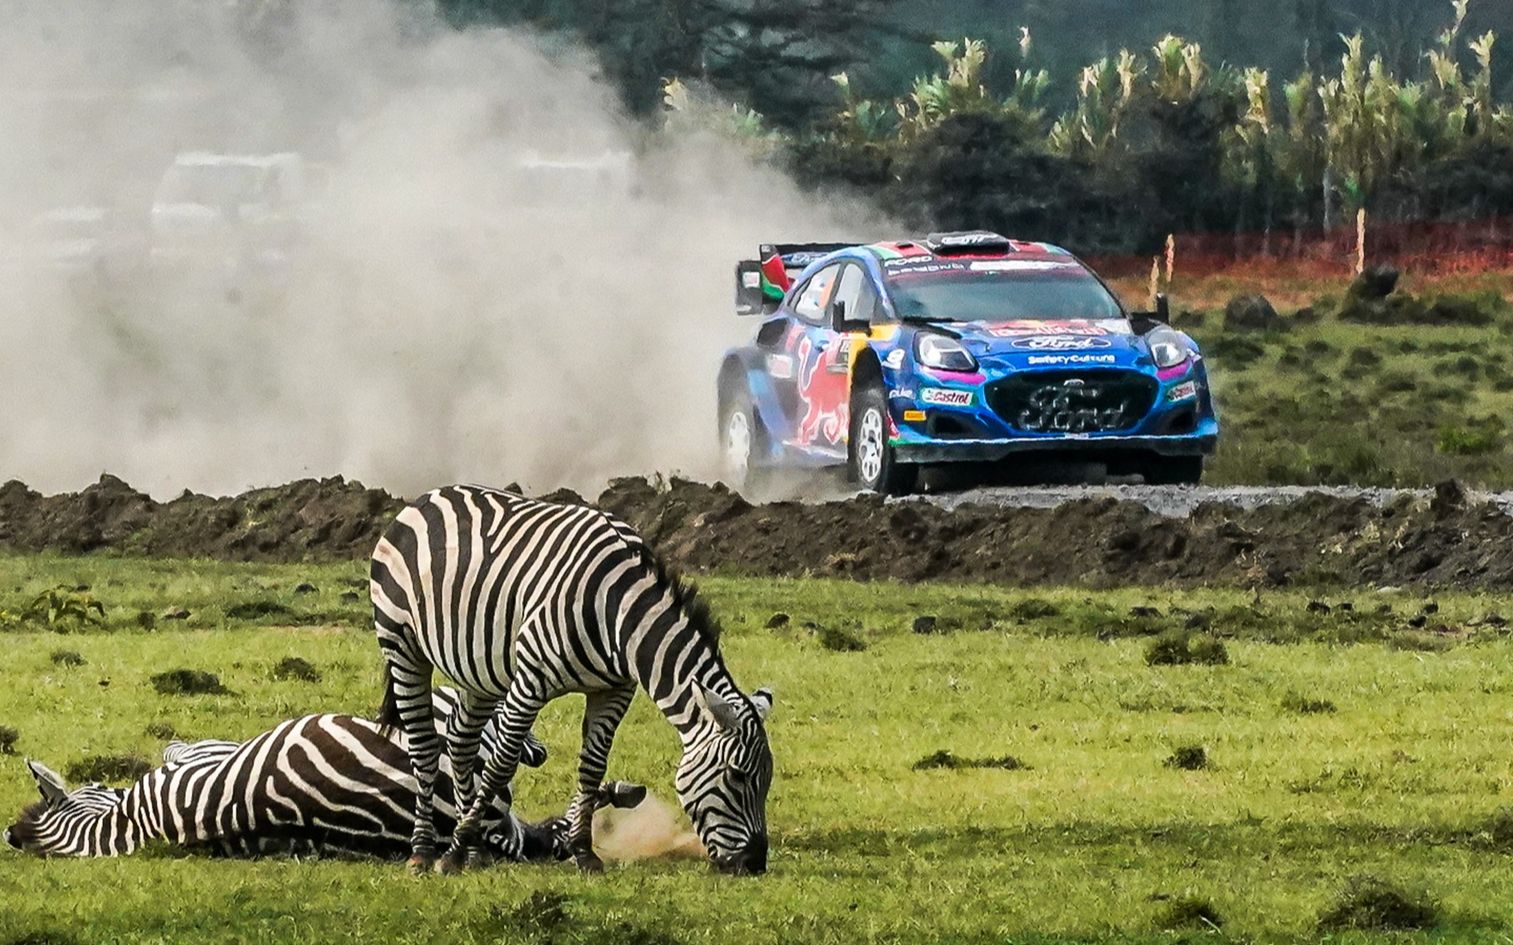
1431,608
1377,282
305,588
1417,622
1251,313
174,613
1318,607
777,620
925,624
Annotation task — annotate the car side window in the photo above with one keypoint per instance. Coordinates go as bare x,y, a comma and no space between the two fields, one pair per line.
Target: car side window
813,299
855,289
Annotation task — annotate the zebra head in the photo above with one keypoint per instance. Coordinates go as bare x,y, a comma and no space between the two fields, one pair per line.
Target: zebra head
723,778
59,824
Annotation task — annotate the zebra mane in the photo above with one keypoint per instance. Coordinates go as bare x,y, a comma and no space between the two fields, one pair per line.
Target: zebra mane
685,595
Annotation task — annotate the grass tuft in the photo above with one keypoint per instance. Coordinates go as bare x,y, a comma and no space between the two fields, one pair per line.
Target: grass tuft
1295,702
1183,647
1373,904
838,640
294,667
67,658
1189,912
944,759
1188,758
1500,829
160,730
107,768
188,682
258,610
8,739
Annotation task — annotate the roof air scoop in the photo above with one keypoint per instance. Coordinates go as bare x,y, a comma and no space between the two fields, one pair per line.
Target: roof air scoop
969,243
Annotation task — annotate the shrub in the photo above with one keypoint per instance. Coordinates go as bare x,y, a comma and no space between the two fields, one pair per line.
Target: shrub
1373,904
293,667
188,682
67,658
107,768
1479,437
1188,758
64,609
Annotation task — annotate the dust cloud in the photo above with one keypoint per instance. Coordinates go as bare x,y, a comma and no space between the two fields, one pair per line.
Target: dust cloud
650,830
482,271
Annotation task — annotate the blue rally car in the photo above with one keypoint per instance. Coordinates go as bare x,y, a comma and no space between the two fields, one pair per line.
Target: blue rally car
962,347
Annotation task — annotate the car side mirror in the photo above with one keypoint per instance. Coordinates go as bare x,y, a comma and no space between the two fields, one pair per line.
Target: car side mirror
1144,322
839,323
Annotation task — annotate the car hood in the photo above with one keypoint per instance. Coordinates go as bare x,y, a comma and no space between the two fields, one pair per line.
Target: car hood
1052,343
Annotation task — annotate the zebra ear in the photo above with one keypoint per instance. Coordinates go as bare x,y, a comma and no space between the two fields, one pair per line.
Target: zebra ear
50,784
714,705
762,700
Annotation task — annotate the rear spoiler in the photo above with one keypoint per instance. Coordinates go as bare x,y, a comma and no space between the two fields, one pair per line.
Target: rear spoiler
761,283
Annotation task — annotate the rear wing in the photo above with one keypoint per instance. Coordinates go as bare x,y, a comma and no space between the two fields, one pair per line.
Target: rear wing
761,283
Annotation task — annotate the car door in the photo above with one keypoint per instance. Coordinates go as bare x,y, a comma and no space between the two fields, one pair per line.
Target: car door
824,383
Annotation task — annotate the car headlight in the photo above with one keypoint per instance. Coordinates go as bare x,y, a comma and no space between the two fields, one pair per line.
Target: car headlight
943,353
1168,349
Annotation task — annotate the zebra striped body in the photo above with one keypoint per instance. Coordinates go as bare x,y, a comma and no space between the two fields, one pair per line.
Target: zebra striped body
317,784
521,601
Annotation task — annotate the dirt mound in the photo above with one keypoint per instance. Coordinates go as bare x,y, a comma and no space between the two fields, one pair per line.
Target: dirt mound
308,519
1450,539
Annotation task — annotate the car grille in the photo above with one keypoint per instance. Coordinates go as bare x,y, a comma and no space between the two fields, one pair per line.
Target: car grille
1073,401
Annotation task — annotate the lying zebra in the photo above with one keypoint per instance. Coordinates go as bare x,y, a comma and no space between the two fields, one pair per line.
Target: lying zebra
321,784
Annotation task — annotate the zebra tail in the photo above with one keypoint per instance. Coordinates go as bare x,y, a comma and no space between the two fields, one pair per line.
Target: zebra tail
388,709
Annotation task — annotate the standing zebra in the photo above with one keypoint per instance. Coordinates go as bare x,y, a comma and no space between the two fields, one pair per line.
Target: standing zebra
521,601
317,784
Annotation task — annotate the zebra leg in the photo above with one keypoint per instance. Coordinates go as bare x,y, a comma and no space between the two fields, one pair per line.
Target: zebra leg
602,713
515,721
411,681
464,733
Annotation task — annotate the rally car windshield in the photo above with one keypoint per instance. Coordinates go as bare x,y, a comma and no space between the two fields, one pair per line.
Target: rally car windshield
967,292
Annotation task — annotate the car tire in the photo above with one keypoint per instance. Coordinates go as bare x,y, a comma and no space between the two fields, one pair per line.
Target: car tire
740,444
1173,470
874,464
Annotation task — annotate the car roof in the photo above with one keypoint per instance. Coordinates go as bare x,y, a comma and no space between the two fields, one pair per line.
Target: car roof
919,249
209,159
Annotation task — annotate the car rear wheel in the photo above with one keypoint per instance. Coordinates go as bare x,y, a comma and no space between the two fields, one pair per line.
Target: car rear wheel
739,441
873,463
1173,470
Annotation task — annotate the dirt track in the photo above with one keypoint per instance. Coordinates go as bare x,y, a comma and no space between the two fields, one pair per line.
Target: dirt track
1449,538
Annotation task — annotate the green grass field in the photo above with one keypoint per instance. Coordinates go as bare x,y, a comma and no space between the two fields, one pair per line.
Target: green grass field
1096,839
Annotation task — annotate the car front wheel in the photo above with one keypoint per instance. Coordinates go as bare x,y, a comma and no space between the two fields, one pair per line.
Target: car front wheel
873,463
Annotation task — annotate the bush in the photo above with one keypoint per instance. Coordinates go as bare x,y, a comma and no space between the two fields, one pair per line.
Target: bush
188,682
107,768
1479,437
293,667
1182,647
1373,904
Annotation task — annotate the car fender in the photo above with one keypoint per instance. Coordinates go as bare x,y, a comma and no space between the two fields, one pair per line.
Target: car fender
746,368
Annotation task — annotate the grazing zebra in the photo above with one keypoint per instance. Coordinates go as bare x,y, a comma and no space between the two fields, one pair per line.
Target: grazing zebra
521,601
318,784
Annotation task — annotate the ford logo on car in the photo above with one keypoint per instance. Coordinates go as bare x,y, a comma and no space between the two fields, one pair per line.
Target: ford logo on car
1060,343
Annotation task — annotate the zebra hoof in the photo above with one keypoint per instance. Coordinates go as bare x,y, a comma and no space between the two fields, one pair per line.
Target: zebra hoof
421,863
454,862
589,863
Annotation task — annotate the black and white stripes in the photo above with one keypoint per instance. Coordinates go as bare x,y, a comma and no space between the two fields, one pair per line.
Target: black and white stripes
521,601
317,784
